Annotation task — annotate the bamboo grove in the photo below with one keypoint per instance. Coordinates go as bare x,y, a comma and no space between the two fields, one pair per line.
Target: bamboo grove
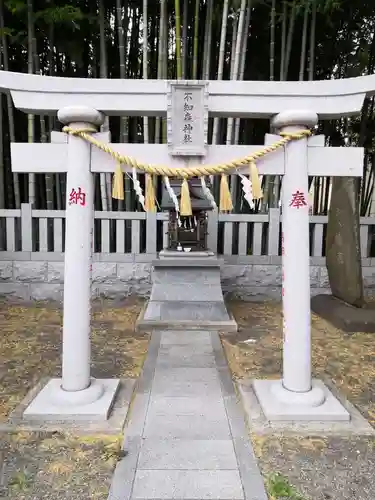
184,39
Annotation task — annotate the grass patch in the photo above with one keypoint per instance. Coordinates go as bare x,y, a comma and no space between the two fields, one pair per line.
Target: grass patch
345,359
279,488
30,346
59,465
20,482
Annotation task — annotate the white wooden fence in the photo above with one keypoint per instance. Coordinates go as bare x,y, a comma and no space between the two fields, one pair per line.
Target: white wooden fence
30,230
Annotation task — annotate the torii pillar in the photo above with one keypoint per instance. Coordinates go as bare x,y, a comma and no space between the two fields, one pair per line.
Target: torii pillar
298,397
77,396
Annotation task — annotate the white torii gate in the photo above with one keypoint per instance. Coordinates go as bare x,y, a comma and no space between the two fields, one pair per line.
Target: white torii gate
292,106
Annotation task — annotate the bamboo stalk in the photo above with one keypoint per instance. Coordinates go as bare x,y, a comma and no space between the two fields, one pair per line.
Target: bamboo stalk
243,61
304,44
178,40
223,36
196,41
145,65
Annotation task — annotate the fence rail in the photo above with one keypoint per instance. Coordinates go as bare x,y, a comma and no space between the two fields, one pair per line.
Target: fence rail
30,230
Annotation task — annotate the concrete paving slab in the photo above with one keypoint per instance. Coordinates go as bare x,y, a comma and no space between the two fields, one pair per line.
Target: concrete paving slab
162,405
184,389
186,350
193,361
188,454
181,338
172,484
186,427
186,374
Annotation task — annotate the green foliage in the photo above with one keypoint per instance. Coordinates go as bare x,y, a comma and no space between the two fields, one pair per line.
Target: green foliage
280,489
60,14
21,481
6,32
16,6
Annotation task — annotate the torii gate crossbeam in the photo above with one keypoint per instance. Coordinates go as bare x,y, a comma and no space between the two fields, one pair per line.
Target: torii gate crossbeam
328,98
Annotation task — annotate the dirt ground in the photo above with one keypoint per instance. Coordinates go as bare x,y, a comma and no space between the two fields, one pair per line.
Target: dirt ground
316,467
39,465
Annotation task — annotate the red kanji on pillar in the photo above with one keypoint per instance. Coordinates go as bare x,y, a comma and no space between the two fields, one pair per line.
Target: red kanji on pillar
77,197
298,200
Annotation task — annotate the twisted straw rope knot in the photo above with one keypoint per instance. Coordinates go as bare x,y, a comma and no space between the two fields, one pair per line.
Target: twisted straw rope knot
186,172
79,131
295,135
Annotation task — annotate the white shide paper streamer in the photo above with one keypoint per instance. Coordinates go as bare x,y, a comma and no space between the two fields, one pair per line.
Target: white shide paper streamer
208,193
137,188
247,189
174,198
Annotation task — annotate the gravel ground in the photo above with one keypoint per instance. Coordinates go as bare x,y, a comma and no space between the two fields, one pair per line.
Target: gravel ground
55,465
320,468
316,467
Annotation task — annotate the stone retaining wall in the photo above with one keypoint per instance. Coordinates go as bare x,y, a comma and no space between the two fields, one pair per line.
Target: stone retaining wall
40,277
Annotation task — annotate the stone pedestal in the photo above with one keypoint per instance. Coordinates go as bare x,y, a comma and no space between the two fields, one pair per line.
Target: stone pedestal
186,293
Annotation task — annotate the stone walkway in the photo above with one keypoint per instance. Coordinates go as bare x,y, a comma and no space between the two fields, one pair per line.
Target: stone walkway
186,437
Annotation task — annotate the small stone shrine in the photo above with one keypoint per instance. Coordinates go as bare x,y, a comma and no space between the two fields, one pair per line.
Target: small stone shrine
186,290
187,233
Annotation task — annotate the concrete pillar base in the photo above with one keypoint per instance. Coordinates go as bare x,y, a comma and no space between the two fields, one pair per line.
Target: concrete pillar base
279,404
87,396
312,398
92,404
